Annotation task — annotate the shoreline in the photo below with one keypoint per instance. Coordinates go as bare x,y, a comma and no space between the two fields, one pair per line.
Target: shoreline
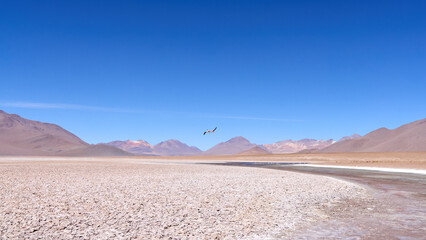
381,169
398,204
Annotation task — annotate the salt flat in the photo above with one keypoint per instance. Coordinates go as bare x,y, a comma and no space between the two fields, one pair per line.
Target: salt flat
129,199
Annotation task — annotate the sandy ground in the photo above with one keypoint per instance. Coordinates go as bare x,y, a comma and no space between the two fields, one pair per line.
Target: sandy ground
410,160
98,198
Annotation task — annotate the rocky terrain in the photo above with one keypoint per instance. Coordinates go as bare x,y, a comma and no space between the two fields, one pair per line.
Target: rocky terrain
129,199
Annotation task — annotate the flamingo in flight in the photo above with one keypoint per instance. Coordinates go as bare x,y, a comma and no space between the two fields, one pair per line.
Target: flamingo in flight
208,131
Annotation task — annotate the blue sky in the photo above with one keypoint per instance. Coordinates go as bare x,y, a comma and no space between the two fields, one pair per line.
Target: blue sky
265,70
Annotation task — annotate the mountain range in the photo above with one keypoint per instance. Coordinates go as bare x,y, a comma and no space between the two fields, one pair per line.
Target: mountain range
292,146
20,136
174,147
170,147
234,145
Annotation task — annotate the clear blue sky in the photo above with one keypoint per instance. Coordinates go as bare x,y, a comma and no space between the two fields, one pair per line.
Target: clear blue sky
265,70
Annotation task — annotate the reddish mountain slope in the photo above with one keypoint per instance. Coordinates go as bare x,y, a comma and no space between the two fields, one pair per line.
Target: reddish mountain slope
353,136
258,150
20,136
233,146
410,137
175,148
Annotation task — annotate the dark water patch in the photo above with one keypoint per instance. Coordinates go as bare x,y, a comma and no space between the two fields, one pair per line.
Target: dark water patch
256,164
413,184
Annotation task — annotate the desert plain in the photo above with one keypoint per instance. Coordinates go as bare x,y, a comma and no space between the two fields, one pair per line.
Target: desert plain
179,198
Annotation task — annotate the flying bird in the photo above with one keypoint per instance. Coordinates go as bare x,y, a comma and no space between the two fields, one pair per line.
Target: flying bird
208,131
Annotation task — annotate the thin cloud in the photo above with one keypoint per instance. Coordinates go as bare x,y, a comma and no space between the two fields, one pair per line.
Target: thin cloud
35,105
38,105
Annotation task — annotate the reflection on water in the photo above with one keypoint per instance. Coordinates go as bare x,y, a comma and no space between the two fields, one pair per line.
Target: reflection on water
397,210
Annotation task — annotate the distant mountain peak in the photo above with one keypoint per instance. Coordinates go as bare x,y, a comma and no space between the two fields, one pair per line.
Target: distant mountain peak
293,146
353,136
232,146
171,147
378,132
172,141
257,150
136,142
238,139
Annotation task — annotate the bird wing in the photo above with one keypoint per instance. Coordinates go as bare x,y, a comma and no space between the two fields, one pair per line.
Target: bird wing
214,129
204,133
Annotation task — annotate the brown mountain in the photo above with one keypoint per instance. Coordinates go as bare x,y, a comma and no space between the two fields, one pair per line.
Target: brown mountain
410,137
353,136
292,146
167,148
97,150
258,150
20,136
139,147
233,146
175,148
